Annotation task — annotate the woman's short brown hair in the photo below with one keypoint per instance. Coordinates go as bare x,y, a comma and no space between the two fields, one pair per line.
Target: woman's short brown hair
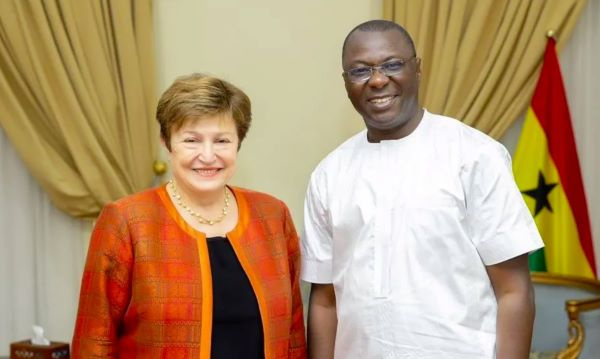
199,95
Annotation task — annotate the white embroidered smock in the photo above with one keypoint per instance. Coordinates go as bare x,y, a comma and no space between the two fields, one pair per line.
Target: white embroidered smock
404,229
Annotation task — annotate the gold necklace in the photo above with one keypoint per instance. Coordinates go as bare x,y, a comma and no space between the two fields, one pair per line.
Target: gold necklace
177,197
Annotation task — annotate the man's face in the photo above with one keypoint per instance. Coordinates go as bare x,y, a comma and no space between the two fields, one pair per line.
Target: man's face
386,104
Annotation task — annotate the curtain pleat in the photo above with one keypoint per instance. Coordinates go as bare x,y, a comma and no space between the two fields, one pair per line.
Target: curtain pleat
481,58
77,97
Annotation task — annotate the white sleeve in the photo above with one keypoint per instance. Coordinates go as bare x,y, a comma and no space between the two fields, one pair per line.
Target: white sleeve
317,236
499,223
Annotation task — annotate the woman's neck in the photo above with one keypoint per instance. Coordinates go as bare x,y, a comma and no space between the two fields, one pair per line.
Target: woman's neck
205,202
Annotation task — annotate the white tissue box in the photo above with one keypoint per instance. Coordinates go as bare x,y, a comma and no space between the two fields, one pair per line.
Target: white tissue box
25,350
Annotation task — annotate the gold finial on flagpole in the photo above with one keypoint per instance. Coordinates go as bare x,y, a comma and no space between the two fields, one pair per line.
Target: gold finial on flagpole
551,34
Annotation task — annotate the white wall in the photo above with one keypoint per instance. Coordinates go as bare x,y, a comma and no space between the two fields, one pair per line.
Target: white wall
286,56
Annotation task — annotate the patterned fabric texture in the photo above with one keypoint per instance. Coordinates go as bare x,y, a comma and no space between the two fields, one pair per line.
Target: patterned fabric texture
146,289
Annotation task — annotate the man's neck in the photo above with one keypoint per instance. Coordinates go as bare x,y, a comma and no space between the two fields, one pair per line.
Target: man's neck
375,135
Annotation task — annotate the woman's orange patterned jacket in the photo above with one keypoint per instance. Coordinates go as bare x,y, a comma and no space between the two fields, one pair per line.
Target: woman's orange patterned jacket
146,289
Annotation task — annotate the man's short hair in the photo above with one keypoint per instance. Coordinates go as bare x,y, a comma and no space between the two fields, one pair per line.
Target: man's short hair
380,26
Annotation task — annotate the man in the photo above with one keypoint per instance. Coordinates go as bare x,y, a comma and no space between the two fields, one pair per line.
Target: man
416,236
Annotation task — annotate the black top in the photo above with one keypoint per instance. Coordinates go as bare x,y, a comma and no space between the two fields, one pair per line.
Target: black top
237,328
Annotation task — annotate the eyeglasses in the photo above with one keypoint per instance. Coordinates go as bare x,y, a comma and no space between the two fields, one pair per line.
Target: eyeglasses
364,73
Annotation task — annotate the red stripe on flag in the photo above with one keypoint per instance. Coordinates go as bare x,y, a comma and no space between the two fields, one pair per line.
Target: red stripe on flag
550,106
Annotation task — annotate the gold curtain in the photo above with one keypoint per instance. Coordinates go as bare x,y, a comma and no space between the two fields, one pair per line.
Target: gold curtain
481,58
77,97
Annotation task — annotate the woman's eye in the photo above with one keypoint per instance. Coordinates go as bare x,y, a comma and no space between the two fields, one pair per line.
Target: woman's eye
189,140
223,140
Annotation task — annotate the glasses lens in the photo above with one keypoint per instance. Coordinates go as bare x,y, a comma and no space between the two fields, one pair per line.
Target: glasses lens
359,74
392,67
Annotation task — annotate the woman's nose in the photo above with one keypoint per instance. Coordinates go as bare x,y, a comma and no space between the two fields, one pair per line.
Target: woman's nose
207,153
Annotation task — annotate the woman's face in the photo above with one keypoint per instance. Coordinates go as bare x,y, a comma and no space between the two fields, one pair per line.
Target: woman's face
203,154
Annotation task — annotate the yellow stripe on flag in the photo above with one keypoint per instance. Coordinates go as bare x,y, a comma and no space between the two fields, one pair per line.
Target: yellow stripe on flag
556,223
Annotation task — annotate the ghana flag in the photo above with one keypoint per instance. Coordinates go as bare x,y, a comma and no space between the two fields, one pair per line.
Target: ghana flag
547,172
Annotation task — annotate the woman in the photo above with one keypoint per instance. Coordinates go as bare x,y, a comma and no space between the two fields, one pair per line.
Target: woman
194,268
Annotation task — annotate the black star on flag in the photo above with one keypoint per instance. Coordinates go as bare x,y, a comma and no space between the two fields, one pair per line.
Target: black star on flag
540,194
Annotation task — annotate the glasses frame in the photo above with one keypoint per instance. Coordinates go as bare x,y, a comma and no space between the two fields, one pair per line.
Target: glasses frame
379,68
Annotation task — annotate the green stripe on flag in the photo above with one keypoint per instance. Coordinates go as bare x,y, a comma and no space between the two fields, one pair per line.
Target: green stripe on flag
537,261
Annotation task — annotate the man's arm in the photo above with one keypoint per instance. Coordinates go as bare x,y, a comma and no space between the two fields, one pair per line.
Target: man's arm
322,321
516,308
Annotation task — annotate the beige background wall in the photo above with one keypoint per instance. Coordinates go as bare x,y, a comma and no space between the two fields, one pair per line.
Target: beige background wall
286,56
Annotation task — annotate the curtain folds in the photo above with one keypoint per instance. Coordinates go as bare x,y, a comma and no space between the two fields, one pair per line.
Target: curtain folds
77,97
481,58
